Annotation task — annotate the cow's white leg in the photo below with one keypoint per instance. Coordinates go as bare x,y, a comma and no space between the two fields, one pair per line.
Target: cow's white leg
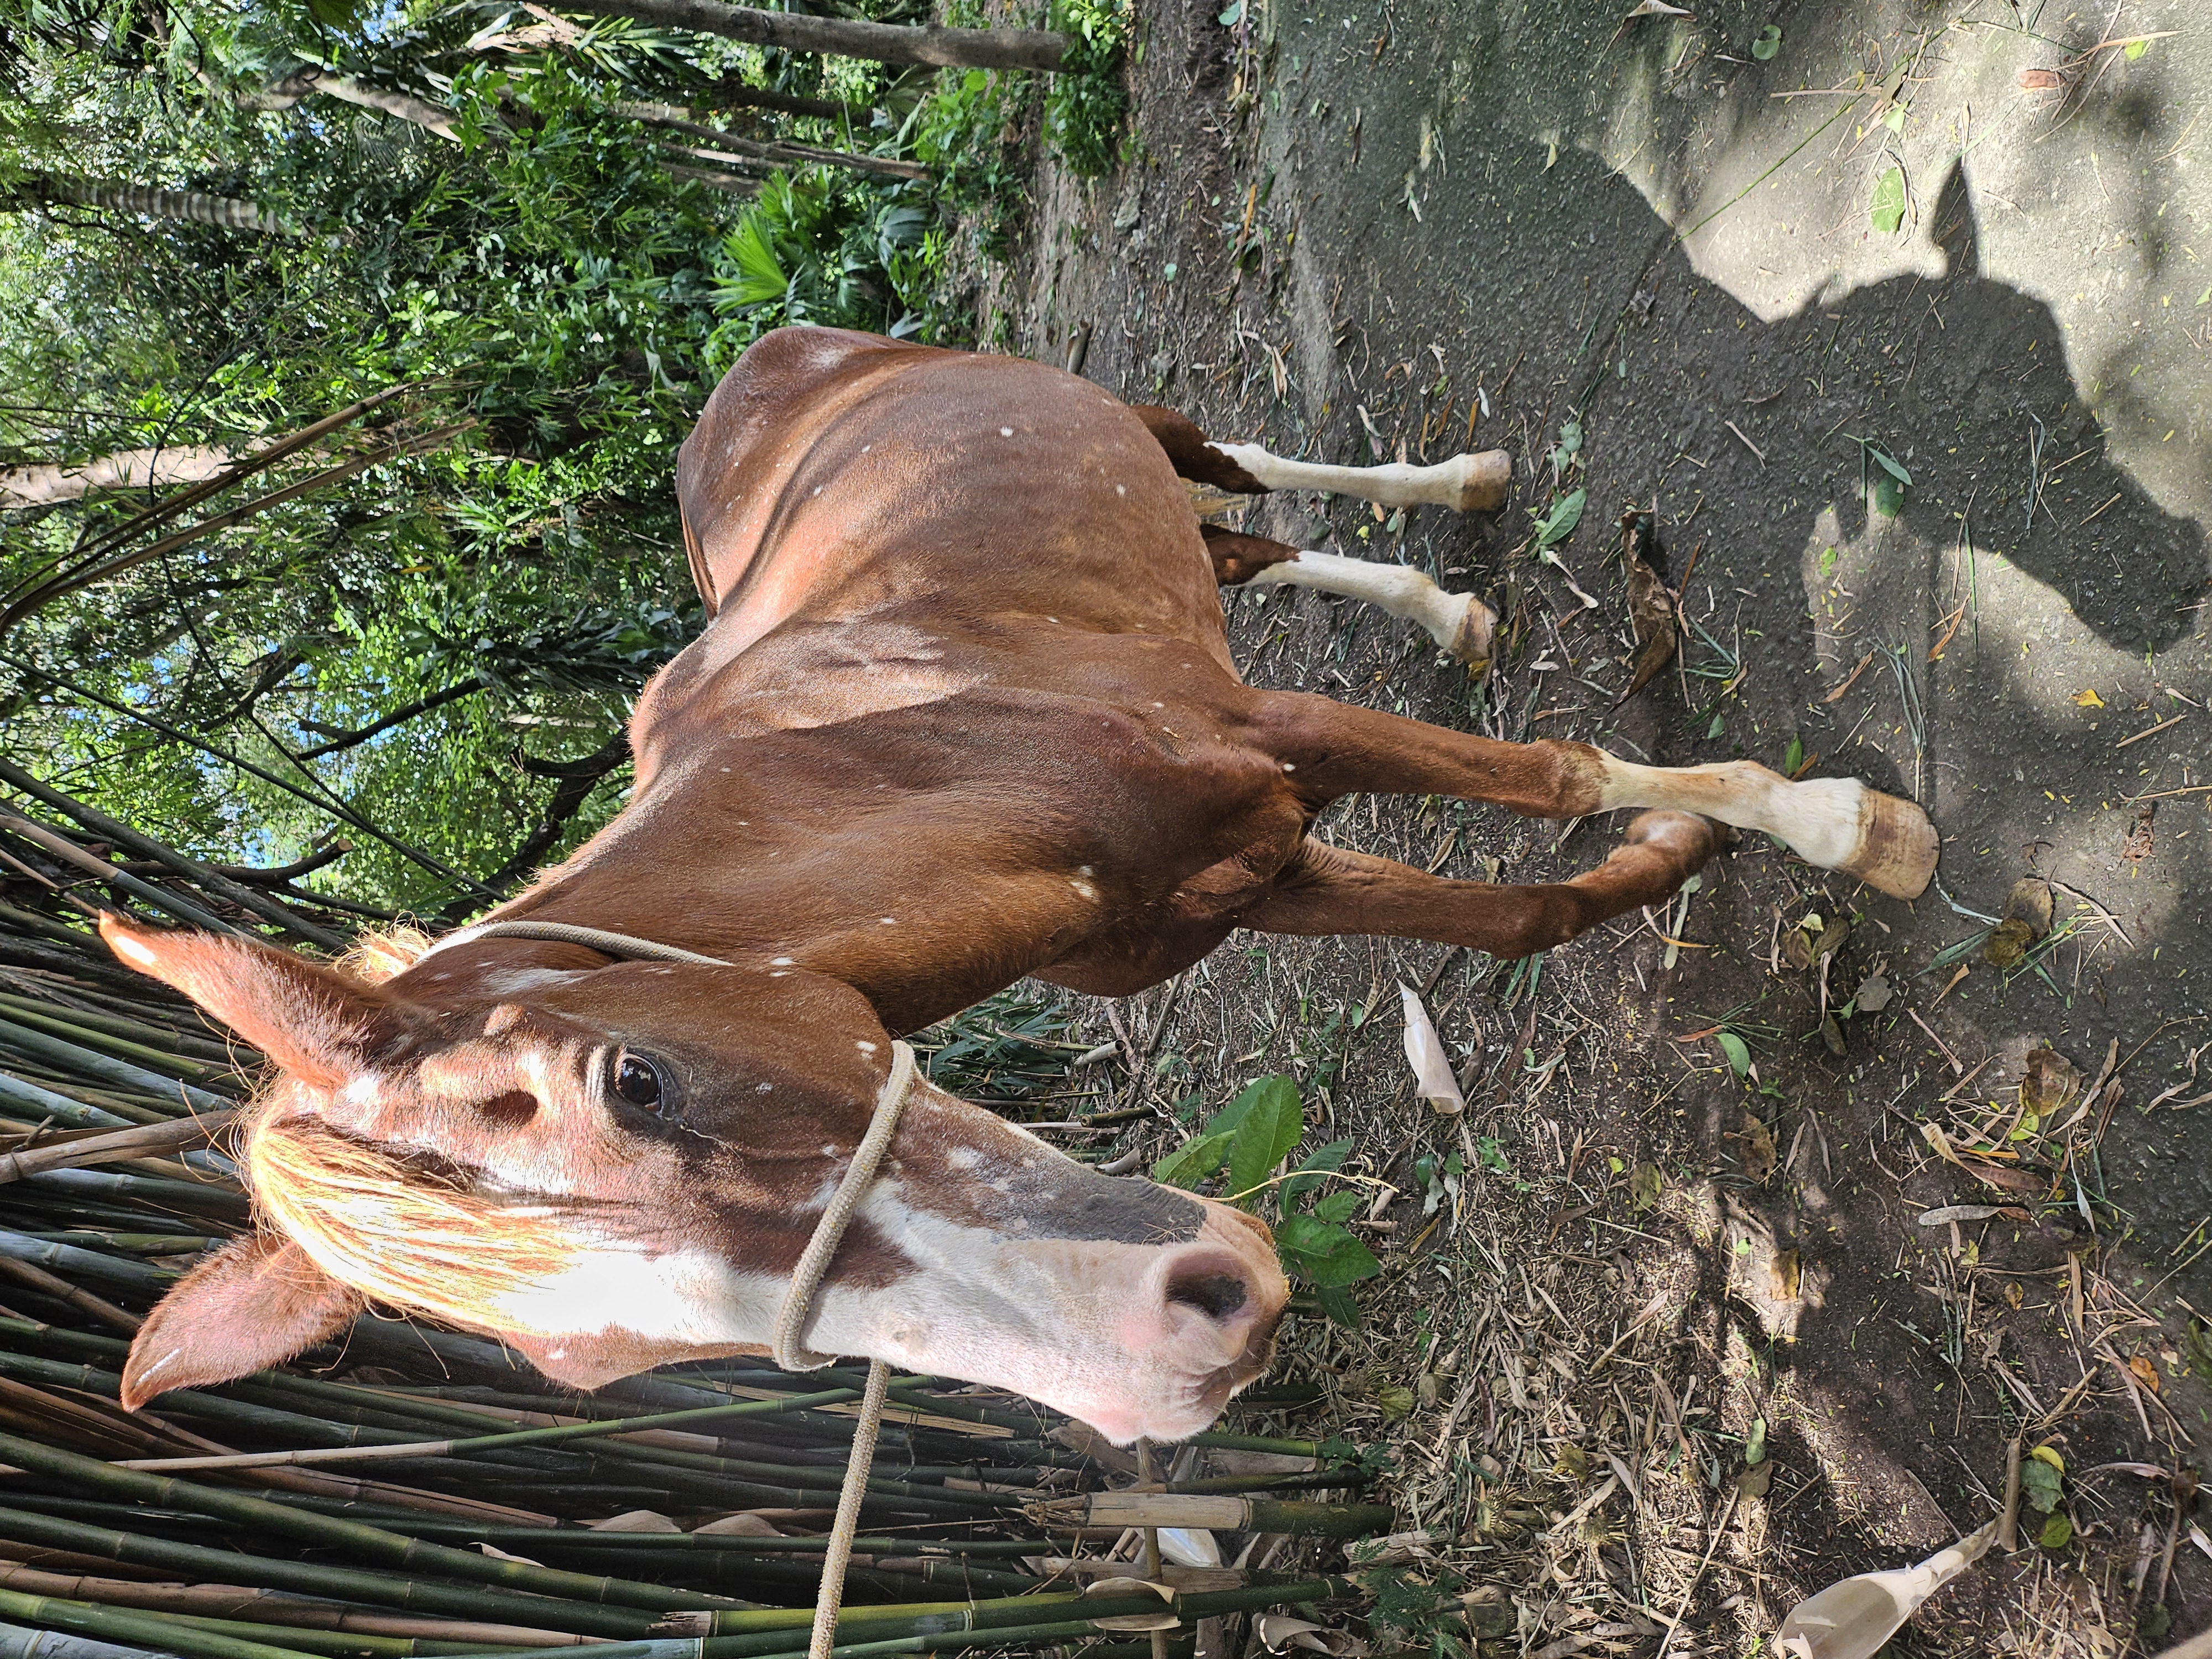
1458,622
1466,483
1837,823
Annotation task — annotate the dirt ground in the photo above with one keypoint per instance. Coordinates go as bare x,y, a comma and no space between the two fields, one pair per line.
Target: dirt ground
1401,228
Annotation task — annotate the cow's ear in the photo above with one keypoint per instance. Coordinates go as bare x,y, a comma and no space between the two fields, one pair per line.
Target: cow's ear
319,1025
255,1302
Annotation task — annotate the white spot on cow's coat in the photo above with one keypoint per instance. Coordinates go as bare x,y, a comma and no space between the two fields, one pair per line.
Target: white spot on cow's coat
362,1091
1287,766
779,962
887,921
865,1047
1005,432
763,1088
1120,489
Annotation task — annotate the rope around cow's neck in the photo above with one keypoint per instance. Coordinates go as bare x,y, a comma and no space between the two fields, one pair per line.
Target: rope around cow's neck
813,1261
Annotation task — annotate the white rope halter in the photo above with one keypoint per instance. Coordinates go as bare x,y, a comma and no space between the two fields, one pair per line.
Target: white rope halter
814,1261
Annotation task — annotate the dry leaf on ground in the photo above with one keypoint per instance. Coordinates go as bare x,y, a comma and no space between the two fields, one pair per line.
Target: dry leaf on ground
1650,606
2050,1083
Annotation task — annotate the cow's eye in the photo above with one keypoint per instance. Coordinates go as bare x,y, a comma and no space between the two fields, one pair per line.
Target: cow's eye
637,1082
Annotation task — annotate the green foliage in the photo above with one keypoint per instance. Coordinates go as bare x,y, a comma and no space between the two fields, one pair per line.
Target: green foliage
1249,1137
1888,208
816,248
2040,1484
560,299
1085,106
1421,1610
1556,525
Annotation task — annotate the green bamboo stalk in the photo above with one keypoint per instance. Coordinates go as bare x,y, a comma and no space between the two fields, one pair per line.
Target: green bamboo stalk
20,1642
502,1442
207,1564
145,846
145,1629
72,1114
153,1033
131,1243
371,1543
155,1061
59,846
151,1190
768,1633
274,1608
1258,1443
79,1060
75,1262
333,1643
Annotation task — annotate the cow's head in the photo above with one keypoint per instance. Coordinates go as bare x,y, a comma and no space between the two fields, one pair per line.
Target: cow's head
616,1166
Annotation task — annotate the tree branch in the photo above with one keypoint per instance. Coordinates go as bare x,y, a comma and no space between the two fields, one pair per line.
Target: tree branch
192,206
881,43
398,717
578,780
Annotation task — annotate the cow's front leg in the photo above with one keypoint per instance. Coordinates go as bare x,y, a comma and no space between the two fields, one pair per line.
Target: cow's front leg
1332,749
1329,890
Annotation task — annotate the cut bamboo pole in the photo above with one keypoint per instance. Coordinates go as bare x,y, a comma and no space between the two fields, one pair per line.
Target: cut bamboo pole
488,1442
377,1588
18,1641
366,1542
61,847
274,1607
143,1628
1224,1513
145,847
109,1148
80,1061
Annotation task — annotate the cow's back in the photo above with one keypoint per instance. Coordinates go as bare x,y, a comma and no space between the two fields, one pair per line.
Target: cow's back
836,474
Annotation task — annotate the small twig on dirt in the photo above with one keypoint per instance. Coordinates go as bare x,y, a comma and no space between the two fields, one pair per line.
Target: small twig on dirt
1958,1066
1690,1589
2009,1530
2151,731
1849,679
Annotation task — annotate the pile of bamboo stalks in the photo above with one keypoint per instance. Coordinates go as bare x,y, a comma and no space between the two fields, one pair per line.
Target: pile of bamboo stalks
412,1491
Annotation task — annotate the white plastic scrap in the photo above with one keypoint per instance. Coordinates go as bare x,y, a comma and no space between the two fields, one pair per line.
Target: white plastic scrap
1424,1053
1853,1619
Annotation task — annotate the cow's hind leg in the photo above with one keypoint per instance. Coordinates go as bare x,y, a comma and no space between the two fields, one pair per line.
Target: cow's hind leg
1460,624
1466,483
1328,889
1334,749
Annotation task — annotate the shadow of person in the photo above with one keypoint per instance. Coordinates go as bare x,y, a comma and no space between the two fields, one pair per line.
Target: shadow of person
1983,357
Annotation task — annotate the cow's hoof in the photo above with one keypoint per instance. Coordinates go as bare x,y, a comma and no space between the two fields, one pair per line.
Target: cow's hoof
1470,640
1477,483
1897,848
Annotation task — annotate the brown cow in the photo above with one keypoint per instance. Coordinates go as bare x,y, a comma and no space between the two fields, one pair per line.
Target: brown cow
965,711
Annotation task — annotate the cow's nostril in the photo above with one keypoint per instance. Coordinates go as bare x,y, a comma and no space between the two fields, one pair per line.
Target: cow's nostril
1215,1295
